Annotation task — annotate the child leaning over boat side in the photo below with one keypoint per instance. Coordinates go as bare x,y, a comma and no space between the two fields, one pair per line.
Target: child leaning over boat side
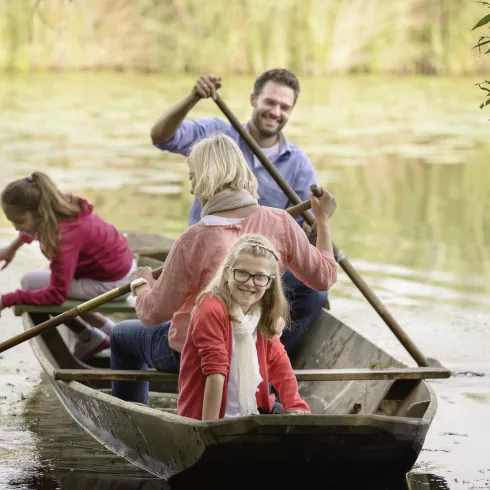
232,348
88,256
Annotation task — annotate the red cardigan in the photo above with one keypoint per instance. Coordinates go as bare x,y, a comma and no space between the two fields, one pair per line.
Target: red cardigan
89,247
208,349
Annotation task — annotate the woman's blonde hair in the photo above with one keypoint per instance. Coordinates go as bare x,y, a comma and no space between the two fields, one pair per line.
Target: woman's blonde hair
218,164
39,195
274,303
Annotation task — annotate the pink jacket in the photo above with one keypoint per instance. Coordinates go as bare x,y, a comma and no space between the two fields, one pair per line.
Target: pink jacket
200,250
89,247
208,349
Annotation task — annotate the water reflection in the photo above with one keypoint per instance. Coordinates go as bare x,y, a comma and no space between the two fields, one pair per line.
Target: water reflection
406,163
408,171
58,454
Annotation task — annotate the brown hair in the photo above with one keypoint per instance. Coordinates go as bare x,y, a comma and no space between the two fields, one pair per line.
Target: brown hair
274,303
280,76
38,195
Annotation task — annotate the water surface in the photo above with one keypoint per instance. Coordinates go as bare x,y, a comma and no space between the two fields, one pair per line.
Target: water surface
406,161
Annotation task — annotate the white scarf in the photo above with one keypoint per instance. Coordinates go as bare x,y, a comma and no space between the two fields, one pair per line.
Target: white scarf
248,372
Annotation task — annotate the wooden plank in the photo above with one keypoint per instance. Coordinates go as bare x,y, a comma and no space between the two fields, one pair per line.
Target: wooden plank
112,375
301,375
353,374
122,306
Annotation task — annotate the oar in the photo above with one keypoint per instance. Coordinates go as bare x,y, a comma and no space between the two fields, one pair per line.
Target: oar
367,292
109,296
72,313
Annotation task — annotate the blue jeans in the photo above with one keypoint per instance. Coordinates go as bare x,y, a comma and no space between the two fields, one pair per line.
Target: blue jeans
134,346
305,304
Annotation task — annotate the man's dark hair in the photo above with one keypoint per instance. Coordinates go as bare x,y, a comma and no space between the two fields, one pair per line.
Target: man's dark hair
280,76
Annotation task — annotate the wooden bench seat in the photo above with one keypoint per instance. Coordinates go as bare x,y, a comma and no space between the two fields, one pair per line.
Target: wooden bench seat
347,374
123,306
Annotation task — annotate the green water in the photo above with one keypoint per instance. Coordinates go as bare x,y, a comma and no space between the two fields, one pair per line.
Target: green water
406,159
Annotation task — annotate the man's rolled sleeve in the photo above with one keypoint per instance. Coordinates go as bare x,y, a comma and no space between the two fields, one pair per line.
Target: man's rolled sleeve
191,132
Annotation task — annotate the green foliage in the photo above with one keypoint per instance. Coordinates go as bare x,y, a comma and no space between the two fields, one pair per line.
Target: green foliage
482,41
311,37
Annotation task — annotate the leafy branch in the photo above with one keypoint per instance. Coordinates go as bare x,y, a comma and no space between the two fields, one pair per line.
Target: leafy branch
483,41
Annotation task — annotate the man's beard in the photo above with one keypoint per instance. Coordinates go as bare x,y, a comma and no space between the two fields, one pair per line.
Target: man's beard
264,132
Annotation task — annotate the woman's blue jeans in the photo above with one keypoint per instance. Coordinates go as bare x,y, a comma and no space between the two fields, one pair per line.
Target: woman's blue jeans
305,304
134,346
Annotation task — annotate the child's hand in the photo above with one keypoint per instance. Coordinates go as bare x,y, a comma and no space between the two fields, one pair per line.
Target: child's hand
6,255
297,412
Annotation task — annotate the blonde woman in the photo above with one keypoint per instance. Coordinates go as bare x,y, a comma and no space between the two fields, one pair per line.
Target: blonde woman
223,183
232,348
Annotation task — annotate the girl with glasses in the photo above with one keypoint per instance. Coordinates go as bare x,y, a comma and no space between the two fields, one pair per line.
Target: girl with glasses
232,348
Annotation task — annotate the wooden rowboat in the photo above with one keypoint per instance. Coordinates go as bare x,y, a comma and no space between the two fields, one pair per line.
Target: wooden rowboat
370,414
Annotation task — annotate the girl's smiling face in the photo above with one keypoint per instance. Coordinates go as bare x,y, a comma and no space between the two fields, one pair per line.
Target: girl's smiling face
244,291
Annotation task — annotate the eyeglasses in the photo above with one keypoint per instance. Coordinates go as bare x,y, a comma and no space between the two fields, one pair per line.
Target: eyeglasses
260,280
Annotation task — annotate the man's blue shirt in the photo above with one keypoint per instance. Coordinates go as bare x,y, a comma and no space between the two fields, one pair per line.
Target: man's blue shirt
292,163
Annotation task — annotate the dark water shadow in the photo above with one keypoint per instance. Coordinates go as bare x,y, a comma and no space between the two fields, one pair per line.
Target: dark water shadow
254,480
63,456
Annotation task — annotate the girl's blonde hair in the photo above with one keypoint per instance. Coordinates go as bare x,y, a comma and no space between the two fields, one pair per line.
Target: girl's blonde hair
39,195
218,164
274,303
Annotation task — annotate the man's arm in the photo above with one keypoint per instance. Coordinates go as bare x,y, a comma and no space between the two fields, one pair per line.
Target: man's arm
166,127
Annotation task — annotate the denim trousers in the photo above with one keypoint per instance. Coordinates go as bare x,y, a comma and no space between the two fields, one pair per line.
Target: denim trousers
305,305
134,346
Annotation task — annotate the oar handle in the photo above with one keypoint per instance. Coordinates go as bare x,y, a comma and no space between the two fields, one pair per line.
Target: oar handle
367,292
66,315
305,205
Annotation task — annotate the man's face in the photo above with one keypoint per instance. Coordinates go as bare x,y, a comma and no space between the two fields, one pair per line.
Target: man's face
272,108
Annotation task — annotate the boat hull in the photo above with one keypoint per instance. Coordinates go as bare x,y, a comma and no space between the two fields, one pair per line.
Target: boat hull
330,443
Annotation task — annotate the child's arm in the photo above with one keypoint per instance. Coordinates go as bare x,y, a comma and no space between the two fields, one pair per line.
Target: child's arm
63,268
282,376
7,254
210,334
213,396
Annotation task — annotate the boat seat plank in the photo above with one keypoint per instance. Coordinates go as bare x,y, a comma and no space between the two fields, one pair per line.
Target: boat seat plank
354,374
117,306
301,375
113,375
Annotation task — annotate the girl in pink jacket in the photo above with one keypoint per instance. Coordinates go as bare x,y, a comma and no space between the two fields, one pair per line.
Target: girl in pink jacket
232,348
88,256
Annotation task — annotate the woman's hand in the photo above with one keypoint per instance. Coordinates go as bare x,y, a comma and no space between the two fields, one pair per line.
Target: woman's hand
323,207
144,272
6,255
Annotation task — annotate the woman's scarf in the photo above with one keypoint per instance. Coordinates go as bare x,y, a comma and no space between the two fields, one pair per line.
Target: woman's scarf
226,200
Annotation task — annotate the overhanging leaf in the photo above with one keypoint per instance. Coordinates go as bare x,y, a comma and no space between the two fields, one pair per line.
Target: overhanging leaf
479,45
482,22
